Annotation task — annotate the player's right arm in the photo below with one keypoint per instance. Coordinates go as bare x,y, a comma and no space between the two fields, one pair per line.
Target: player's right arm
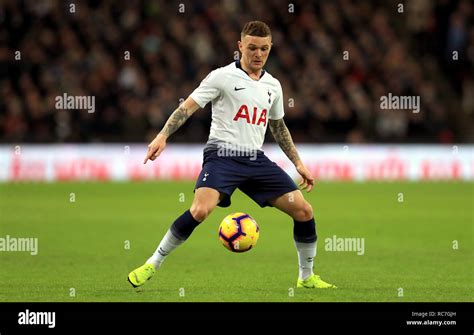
208,90
176,120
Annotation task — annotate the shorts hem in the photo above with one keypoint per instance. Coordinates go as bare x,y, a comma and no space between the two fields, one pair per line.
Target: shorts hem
265,202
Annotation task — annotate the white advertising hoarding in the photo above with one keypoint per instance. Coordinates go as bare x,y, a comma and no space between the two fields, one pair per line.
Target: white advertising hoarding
26,162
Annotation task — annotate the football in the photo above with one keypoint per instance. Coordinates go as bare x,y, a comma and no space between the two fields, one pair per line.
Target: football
239,232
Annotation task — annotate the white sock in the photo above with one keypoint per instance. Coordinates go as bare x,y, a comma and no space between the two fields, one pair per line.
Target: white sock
167,244
306,254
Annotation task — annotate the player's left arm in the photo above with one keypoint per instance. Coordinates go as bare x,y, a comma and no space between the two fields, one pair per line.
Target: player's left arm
283,137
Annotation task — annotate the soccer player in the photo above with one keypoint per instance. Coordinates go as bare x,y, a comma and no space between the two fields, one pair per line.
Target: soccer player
245,100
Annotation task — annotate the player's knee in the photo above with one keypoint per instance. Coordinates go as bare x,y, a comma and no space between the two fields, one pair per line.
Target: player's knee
304,213
200,212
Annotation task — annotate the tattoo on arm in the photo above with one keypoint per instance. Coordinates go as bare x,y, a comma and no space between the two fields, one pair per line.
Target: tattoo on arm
283,138
176,120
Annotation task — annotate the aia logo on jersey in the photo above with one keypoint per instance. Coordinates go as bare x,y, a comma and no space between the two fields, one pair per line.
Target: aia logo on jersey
244,114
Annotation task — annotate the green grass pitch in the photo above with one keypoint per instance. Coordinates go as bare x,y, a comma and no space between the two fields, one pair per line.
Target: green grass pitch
418,249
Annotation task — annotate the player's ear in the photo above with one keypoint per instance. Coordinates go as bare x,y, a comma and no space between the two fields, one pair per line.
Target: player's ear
239,44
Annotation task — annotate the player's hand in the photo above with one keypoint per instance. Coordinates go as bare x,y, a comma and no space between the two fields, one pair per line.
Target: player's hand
308,179
155,148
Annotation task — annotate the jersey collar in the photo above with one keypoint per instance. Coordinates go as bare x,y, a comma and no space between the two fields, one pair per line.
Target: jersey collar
237,65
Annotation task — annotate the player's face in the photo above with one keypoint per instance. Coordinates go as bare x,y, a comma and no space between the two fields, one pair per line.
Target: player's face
255,51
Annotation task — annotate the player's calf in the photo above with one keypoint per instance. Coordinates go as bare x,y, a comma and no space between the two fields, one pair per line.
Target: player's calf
179,232
183,226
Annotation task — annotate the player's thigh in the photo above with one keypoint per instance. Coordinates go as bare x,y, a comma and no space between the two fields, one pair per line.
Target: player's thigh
294,204
205,200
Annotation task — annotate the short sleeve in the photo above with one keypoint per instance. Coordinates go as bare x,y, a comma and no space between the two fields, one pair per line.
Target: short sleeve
277,110
208,90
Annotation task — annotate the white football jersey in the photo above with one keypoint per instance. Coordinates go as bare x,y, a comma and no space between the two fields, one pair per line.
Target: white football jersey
241,106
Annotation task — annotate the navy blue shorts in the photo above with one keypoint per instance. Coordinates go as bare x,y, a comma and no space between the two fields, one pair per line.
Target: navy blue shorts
256,176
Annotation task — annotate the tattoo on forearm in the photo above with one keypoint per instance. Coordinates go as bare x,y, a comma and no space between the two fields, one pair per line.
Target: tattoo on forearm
176,120
283,138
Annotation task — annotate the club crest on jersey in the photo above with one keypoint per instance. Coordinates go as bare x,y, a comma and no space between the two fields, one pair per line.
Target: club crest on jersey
244,114
269,97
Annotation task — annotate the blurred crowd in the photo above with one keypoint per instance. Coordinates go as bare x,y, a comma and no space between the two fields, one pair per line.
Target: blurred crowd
140,59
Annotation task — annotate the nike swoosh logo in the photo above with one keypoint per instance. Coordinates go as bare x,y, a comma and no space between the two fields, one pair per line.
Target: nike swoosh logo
239,88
